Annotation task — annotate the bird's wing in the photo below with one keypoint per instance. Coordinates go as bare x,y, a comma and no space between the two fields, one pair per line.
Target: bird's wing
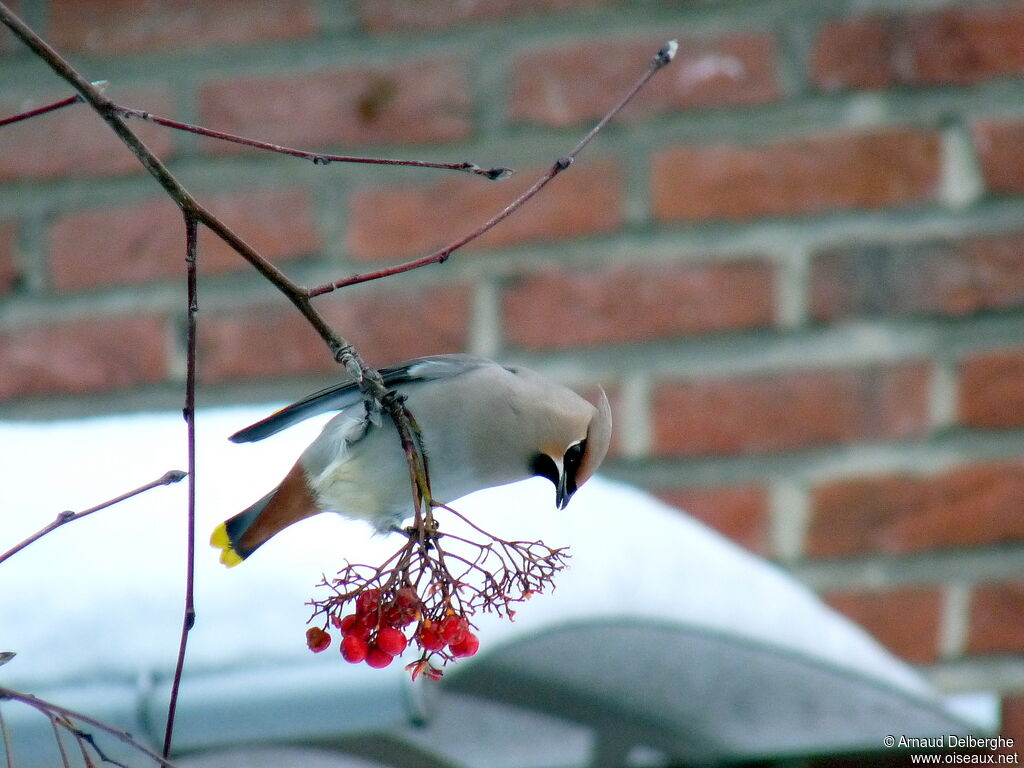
347,393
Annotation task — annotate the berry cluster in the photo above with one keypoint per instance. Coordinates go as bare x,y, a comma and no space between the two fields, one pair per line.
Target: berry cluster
426,592
375,633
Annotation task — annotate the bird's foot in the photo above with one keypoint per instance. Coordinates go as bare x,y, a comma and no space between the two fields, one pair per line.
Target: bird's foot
423,533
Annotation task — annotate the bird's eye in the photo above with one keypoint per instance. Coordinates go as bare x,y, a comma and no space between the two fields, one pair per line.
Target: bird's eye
543,465
573,457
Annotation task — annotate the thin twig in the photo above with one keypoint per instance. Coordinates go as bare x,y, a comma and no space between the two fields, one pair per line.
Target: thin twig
100,84
60,743
664,55
6,739
317,158
85,738
40,110
66,517
81,746
49,709
189,412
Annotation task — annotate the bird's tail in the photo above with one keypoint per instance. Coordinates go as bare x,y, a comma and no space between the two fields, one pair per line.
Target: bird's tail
240,536
228,535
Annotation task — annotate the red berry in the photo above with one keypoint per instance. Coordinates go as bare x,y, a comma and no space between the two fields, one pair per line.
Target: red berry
353,649
430,639
467,646
378,658
317,639
453,628
367,601
391,640
356,625
406,597
391,616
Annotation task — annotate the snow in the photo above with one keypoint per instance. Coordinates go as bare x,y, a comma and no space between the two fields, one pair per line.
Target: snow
99,601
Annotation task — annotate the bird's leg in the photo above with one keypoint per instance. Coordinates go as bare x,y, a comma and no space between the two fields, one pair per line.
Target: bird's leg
372,408
423,532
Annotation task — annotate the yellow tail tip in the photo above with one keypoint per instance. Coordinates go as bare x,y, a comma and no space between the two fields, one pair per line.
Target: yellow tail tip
222,541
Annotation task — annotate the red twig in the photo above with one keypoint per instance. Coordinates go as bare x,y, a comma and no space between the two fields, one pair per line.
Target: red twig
40,110
66,517
659,60
318,158
99,84
189,412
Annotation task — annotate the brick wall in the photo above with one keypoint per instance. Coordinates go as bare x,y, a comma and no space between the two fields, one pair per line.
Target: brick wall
796,264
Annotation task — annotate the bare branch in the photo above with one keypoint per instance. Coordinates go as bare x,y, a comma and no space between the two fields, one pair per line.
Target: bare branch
664,55
40,110
67,719
341,350
317,158
100,84
189,412
66,517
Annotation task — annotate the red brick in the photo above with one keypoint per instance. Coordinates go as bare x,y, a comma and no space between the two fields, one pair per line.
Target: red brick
8,249
790,411
108,27
565,86
146,241
1013,722
403,222
865,170
991,393
948,47
970,506
82,357
739,512
948,277
1000,146
415,102
905,620
385,326
75,142
561,308
997,618
384,16
854,53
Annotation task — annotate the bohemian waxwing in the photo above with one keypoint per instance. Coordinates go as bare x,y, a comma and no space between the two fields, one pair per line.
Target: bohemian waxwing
482,423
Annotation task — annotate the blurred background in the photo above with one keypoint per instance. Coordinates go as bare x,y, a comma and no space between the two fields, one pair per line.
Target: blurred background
796,263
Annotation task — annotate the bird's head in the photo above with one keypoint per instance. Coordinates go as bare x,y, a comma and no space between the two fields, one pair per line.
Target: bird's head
571,459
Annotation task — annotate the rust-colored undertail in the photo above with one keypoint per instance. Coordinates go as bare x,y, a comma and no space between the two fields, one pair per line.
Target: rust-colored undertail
241,535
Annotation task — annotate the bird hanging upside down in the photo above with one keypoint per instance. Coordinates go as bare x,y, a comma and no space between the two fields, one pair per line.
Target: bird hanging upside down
483,424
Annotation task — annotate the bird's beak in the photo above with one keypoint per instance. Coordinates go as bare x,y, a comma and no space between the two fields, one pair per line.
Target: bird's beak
565,489
562,494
